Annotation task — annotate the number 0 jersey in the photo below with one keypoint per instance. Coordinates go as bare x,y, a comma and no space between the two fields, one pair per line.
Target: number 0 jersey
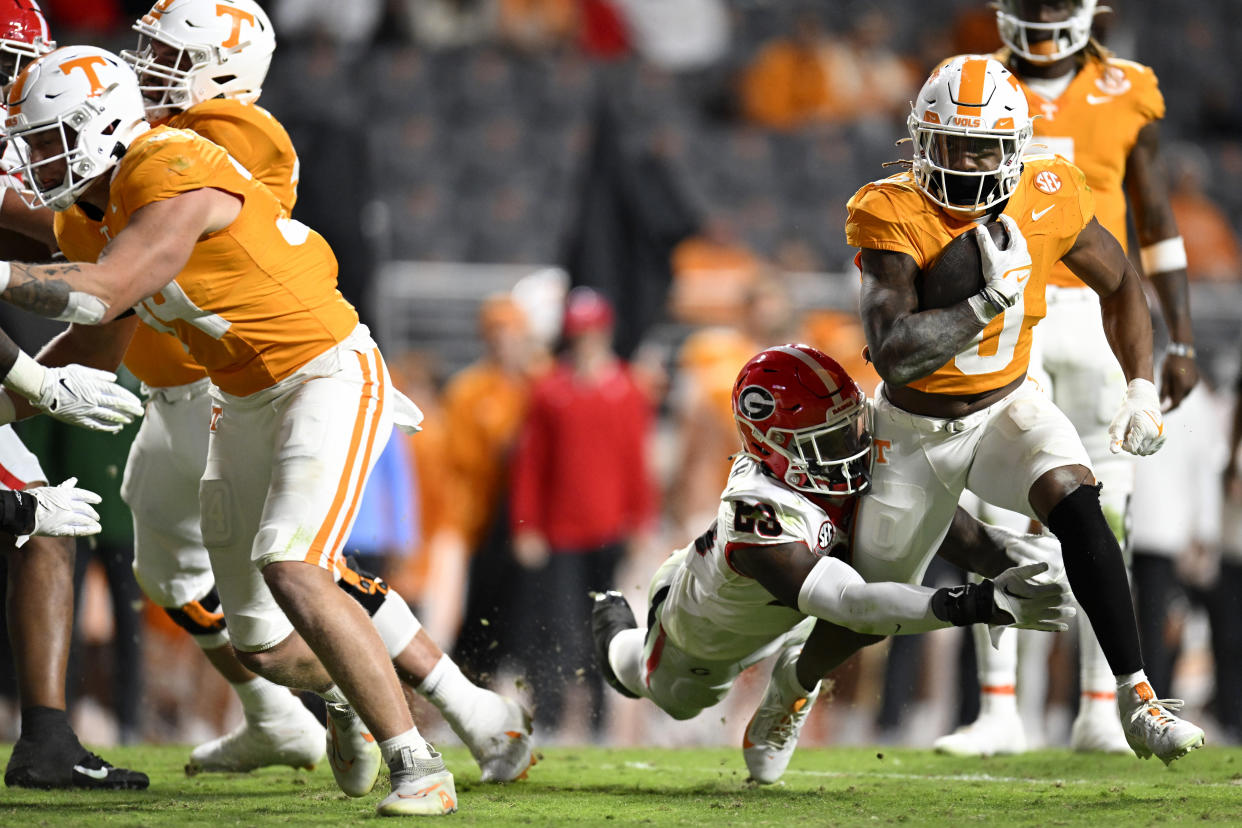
712,610
1051,205
260,144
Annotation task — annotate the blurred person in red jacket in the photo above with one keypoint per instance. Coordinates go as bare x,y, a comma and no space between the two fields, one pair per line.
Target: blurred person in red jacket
581,492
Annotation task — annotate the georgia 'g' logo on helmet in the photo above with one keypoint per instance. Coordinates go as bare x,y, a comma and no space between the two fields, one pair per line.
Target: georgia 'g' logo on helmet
190,51
1042,40
800,415
970,125
756,403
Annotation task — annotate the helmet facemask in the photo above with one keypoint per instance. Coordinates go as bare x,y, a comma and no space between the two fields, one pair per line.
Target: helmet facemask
967,170
1046,42
166,72
15,55
832,459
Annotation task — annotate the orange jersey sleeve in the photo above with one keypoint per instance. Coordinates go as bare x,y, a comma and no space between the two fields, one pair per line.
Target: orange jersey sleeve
258,299
1051,205
157,359
253,137
1095,124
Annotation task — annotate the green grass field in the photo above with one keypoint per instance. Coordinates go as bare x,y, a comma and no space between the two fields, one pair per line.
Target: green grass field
604,786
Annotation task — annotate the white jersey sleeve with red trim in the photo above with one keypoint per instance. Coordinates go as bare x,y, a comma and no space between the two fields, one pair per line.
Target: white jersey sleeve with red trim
714,612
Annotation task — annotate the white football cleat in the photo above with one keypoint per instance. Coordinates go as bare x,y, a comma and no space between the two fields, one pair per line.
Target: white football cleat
1152,729
420,787
772,733
499,740
992,734
1096,727
295,739
352,751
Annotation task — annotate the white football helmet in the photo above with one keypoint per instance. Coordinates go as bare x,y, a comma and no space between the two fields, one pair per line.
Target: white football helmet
969,125
1045,41
190,51
78,105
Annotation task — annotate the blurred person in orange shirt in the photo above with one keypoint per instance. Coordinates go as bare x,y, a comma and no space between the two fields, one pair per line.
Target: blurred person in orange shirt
485,404
788,85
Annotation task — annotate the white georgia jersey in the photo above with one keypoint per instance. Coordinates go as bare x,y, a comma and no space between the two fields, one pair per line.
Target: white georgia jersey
714,612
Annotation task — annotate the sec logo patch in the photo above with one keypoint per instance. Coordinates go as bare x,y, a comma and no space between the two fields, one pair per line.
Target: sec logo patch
1047,182
826,533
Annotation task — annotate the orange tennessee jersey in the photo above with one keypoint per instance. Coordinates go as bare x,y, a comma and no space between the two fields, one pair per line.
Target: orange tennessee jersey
1051,204
1095,123
253,137
158,359
258,299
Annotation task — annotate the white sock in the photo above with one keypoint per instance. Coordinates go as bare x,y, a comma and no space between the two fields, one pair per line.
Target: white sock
786,679
1094,675
391,748
334,695
625,656
261,699
1126,682
454,695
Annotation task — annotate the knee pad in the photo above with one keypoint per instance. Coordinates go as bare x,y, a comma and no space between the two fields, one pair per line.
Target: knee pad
391,616
202,619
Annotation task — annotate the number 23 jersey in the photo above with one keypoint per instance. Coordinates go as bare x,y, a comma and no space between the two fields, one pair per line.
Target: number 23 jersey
713,611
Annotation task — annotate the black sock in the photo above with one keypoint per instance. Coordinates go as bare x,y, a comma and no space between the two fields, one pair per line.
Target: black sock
1097,575
46,724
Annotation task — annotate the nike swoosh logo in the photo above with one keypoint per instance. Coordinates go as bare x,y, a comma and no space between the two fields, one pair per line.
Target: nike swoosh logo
93,773
1095,100
1036,215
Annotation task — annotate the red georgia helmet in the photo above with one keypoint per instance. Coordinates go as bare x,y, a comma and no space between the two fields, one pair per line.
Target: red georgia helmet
23,33
802,416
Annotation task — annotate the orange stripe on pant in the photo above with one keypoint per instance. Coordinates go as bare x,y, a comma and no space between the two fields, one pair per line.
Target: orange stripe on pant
367,459
315,554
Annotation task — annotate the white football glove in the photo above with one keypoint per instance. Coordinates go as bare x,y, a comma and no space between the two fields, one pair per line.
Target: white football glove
1005,272
86,397
1138,427
63,511
405,414
1032,605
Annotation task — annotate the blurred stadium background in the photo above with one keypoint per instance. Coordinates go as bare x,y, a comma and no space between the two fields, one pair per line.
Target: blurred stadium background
686,158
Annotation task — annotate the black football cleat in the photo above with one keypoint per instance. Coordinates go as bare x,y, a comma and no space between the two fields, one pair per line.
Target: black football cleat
610,615
67,766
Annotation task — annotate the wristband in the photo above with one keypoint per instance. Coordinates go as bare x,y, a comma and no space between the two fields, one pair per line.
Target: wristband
1163,256
984,310
17,512
26,376
1180,349
963,605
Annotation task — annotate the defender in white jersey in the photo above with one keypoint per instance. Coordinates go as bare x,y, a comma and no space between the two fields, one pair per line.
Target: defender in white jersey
770,576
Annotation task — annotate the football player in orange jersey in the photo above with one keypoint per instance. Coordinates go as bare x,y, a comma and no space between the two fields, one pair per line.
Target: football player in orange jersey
48,753
301,398
190,80
956,410
1102,114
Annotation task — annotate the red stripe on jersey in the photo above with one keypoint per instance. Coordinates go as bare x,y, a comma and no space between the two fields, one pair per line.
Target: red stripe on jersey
11,480
657,650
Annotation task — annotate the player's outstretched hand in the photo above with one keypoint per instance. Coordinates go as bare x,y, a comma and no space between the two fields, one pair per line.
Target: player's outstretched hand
63,511
88,398
1024,602
1005,272
1138,427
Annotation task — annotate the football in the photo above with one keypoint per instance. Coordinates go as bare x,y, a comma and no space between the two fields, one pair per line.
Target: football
957,273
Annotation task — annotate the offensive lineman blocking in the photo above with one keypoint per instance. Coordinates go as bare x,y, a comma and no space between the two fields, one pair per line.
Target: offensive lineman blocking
303,402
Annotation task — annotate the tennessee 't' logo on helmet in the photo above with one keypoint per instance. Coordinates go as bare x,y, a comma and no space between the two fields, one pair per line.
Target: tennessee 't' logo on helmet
756,402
